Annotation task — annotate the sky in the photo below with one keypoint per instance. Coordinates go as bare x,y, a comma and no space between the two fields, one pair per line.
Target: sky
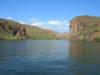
48,14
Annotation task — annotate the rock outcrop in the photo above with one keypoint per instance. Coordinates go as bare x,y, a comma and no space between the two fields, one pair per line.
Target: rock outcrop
85,28
10,27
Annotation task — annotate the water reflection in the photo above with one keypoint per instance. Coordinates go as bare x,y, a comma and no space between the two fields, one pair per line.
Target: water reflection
88,53
85,58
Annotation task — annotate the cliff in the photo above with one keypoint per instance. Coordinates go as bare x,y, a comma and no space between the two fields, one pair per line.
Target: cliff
85,28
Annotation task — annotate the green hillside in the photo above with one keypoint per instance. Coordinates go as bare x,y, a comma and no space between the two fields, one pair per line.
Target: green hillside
12,30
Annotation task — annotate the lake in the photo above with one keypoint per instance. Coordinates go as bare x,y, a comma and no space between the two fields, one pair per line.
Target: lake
49,57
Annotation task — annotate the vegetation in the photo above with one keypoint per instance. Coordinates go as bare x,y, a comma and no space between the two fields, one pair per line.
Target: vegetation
97,39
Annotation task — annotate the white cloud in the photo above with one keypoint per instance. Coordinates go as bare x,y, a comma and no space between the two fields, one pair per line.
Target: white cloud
33,19
54,22
40,24
37,23
65,22
21,22
10,18
55,25
62,26
58,23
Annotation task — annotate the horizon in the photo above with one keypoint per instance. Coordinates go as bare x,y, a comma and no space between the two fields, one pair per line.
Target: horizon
52,14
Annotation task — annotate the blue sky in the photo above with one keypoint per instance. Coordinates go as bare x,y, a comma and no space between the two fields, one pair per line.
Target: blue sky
49,14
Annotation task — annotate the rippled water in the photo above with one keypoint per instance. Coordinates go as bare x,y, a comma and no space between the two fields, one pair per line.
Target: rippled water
49,57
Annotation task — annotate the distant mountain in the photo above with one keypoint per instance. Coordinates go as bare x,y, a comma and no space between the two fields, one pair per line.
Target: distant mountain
12,30
85,28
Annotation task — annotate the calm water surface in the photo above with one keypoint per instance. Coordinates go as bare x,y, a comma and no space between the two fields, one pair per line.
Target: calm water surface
49,57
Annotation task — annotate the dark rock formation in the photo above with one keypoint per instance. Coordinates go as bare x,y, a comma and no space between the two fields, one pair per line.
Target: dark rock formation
11,27
19,30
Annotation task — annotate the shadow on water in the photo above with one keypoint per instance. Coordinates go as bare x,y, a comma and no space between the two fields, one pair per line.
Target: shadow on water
85,58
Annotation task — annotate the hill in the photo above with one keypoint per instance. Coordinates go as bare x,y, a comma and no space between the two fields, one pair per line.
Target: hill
12,30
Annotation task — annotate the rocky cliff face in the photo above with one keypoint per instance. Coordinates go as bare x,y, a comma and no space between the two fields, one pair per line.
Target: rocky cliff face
85,28
10,27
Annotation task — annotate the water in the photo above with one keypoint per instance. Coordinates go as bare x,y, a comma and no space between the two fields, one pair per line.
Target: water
49,57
